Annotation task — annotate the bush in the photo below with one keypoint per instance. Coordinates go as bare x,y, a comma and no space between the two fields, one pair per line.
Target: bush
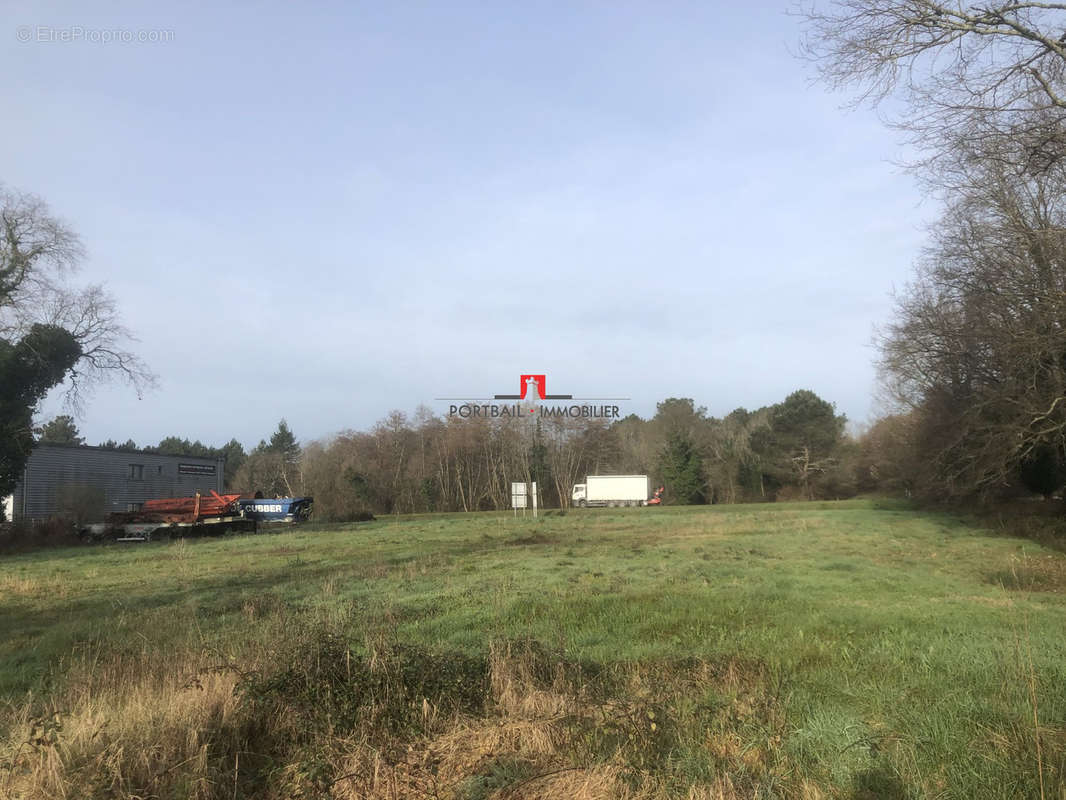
24,536
326,685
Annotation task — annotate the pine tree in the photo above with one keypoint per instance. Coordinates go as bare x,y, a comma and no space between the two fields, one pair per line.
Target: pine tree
284,443
61,430
682,469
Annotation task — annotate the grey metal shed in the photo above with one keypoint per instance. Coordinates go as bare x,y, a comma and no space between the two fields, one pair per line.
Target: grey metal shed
62,479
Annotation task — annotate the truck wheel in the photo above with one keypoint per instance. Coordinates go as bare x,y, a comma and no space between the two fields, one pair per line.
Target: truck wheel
580,503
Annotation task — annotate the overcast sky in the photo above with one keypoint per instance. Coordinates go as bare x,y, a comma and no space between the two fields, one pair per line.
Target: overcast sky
327,211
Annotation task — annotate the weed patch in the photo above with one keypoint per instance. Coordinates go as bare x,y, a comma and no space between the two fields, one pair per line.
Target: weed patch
1046,574
326,686
533,537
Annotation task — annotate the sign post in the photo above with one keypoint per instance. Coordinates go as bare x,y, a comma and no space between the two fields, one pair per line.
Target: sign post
520,497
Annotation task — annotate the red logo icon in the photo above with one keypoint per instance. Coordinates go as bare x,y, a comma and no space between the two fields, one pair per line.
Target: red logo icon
540,385
539,381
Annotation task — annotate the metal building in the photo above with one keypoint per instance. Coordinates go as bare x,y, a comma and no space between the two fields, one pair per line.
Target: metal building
94,481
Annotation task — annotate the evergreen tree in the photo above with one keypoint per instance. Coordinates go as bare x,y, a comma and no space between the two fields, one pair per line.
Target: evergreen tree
233,452
682,469
129,445
800,442
61,430
28,369
284,443
539,471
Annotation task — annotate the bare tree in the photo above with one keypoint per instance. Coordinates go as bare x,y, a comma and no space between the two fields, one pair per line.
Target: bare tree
35,249
807,468
38,254
977,347
980,73
728,454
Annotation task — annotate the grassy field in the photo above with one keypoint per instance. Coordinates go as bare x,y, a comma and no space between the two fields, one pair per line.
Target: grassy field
857,649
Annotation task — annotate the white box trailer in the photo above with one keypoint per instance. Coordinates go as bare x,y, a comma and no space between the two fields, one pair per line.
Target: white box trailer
611,490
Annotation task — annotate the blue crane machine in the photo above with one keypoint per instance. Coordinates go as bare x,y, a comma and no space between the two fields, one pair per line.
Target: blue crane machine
278,509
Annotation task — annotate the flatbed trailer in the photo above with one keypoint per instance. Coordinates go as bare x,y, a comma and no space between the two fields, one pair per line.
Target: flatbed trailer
181,516
145,532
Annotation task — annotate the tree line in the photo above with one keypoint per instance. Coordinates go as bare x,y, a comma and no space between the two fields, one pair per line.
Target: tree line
973,361
796,449
426,462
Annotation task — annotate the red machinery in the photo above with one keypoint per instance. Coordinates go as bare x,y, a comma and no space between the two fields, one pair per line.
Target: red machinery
197,515
657,497
190,509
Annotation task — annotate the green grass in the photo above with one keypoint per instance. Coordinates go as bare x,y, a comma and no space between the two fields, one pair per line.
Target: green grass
890,649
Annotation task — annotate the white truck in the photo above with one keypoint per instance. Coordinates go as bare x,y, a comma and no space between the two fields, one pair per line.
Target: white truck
611,490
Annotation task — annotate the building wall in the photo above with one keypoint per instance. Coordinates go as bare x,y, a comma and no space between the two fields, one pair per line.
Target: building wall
56,475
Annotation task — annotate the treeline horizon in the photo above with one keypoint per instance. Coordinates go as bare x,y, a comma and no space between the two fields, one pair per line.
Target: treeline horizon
431,462
798,449
427,462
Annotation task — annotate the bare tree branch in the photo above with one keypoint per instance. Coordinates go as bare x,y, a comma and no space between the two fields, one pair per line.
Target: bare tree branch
38,255
979,72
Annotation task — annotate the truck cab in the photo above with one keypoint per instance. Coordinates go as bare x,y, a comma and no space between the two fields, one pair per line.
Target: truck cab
577,497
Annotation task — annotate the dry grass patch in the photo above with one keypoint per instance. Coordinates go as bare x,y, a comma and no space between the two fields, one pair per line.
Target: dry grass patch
19,586
554,729
130,728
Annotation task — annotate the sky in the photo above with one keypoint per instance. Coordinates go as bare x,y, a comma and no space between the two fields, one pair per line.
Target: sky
325,212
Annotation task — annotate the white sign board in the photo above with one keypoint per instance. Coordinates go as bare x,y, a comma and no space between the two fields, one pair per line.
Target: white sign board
519,495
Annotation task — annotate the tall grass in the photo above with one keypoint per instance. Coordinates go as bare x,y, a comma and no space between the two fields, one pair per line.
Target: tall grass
330,718
808,651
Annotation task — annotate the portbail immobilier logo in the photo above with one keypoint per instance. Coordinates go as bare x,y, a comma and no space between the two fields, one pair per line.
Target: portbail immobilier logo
532,390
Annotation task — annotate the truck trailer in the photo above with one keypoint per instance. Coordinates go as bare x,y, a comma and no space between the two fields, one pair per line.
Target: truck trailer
199,515
611,490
